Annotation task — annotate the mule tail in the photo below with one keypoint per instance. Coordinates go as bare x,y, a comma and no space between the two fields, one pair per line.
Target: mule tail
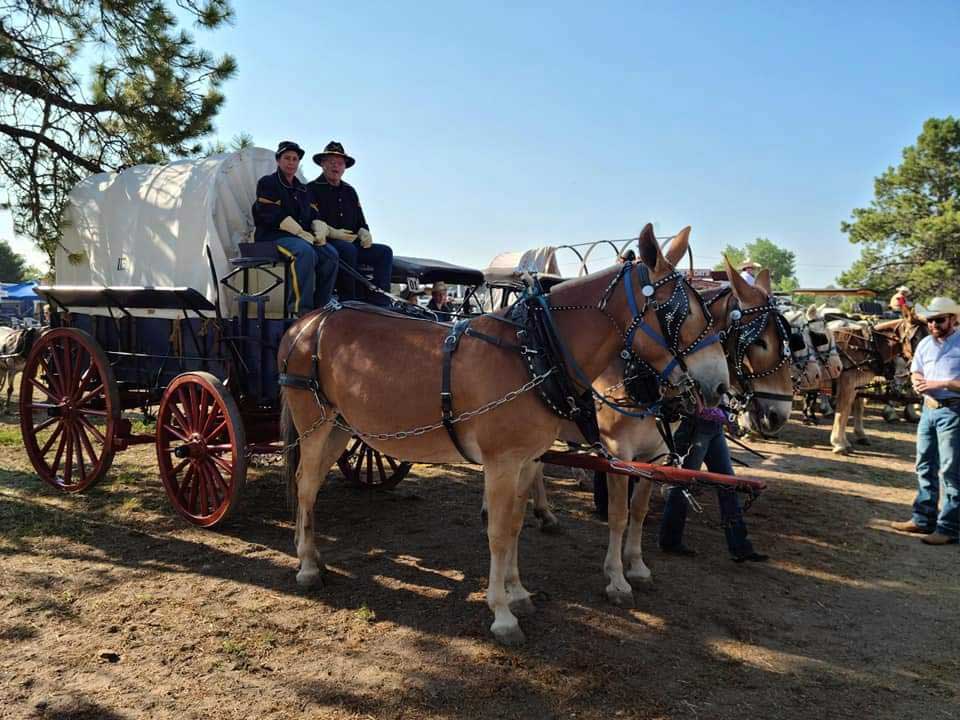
291,452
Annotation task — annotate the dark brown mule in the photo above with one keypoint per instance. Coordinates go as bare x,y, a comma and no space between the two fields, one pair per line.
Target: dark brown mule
383,374
760,371
867,352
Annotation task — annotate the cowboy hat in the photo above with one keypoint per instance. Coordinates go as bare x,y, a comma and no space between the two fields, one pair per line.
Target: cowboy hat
407,293
334,148
748,264
286,145
938,307
439,286
903,289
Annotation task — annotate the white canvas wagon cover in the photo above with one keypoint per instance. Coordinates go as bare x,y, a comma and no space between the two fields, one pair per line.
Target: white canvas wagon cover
150,225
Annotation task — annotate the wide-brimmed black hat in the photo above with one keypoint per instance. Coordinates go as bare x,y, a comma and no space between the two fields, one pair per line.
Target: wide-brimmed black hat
286,145
334,148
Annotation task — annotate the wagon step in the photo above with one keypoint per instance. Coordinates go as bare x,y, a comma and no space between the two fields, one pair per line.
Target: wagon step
657,473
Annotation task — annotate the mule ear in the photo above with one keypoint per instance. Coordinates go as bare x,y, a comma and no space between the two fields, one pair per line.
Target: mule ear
739,286
647,244
763,280
678,246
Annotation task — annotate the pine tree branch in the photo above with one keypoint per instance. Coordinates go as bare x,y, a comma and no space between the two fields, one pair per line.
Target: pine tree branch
19,133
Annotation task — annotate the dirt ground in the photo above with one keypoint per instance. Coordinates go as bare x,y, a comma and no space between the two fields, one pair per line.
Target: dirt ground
112,607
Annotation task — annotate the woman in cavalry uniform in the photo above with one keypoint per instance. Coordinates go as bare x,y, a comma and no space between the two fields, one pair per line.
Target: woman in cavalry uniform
282,212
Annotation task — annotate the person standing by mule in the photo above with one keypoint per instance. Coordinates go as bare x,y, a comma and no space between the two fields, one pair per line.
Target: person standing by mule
704,437
282,213
935,372
343,224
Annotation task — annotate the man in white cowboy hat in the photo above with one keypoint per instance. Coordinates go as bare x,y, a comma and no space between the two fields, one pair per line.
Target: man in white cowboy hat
935,372
748,271
282,213
341,221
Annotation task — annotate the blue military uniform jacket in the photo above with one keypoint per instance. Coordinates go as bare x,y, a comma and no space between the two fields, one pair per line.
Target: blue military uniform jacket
277,200
337,205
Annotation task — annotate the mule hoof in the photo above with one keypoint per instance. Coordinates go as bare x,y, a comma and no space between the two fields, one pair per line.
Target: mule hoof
640,579
862,441
511,636
841,450
310,578
523,606
550,525
620,598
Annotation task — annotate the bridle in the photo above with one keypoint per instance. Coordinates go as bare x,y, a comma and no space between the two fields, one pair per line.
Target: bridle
671,315
745,328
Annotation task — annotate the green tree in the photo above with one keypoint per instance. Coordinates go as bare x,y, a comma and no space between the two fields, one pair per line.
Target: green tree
910,233
766,254
13,267
151,94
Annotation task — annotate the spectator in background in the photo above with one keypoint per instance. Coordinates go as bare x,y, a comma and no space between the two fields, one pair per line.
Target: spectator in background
901,301
411,296
748,271
439,301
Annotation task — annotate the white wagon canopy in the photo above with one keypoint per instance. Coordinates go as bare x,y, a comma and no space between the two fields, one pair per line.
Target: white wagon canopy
151,225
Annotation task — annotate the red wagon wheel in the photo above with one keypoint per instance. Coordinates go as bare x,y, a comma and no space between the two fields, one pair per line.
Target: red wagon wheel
364,466
69,409
201,448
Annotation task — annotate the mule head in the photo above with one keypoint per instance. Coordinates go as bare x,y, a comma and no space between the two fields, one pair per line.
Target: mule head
759,352
806,372
825,346
678,337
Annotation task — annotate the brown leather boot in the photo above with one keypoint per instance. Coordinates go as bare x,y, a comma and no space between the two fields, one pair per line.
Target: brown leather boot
909,526
939,539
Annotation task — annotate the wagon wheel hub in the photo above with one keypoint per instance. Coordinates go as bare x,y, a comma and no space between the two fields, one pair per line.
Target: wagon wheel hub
195,448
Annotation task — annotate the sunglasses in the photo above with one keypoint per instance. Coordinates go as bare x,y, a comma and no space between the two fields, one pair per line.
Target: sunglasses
938,320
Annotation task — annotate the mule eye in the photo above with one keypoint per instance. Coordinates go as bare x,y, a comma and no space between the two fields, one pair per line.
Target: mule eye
762,343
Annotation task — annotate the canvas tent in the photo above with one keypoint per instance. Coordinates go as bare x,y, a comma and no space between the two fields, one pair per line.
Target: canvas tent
151,225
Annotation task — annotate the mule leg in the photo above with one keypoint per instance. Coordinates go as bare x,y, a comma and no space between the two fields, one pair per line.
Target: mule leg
318,452
846,387
518,596
637,571
541,506
618,590
859,435
505,507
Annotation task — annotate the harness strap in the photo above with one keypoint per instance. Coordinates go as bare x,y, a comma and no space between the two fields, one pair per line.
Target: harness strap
450,344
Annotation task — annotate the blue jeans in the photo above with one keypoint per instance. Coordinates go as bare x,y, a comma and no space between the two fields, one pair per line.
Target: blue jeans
313,270
710,446
379,257
938,460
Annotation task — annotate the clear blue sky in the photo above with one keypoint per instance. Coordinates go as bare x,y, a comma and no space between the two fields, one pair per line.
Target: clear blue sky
483,127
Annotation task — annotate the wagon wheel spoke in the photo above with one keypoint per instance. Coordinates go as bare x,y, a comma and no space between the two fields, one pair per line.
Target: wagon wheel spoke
392,463
82,434
44,425
173,431
219,461
50,440
181,420
68,457
49,392
81,382
92,428
89,396
56,458
78,449
183,413
54,380
215,433
383,474
369,466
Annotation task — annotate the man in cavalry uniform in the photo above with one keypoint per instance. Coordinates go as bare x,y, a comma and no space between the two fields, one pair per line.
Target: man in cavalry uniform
282,212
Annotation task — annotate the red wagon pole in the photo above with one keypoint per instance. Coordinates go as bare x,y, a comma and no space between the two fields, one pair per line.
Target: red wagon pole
657,473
